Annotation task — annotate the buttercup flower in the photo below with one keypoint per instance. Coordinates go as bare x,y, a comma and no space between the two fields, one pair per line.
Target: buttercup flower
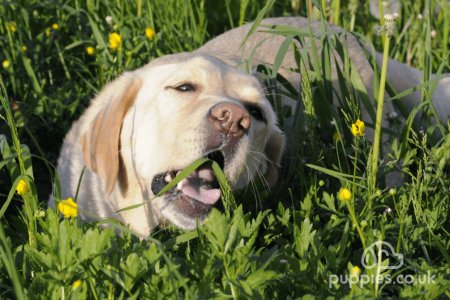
76,284
358,128
6,64
55,26
68,208
344,194
114,41
11,26
90,50
48,31
356,271
150,33
24,48
22,188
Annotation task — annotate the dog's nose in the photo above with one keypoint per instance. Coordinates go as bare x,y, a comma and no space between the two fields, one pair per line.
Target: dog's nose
230,119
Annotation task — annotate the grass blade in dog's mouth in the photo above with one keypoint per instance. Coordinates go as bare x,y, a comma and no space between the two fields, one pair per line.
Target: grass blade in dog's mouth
203,181
197,181
179,176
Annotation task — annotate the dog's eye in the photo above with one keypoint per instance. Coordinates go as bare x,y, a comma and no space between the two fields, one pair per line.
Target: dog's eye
256,112
185,87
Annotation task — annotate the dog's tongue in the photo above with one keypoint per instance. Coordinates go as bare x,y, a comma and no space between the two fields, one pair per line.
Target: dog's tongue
201,192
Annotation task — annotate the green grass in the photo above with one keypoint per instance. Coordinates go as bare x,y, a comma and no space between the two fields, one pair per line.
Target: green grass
289,243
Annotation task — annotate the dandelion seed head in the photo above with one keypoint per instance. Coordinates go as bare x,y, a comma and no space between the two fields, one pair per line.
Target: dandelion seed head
393,115
109,20
433,34
389,25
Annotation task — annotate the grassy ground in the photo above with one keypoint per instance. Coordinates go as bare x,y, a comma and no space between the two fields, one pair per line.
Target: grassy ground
305,239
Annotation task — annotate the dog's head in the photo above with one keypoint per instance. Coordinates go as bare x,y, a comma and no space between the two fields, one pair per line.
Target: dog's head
155,121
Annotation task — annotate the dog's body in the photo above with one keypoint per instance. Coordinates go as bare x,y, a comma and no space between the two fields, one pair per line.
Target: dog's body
150,123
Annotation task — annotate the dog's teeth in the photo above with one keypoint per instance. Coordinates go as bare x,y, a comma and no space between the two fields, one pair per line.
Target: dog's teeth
168,178
180,185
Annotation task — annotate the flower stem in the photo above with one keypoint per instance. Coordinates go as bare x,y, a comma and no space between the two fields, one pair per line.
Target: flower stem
355,221
379,116
139,8
379,259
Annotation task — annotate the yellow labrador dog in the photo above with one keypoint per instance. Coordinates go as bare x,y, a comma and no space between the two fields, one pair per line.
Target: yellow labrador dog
149,124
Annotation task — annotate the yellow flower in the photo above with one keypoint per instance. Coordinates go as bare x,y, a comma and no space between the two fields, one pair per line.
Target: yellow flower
48,31
90,50
68,208
150,33
358,128
356,271
114,41
55,26
24,48
76,284
344,194
6,64
11,26
321,183
22,188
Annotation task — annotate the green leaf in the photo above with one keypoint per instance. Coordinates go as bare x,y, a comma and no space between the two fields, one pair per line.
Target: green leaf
341,176
261,277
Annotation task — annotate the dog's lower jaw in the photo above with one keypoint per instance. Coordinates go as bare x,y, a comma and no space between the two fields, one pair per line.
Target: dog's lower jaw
177,218
143,218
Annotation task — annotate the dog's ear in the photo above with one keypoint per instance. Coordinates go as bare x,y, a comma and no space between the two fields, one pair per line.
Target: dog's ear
100,144
274,151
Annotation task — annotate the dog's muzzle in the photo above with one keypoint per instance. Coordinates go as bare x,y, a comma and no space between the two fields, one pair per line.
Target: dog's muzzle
195,195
